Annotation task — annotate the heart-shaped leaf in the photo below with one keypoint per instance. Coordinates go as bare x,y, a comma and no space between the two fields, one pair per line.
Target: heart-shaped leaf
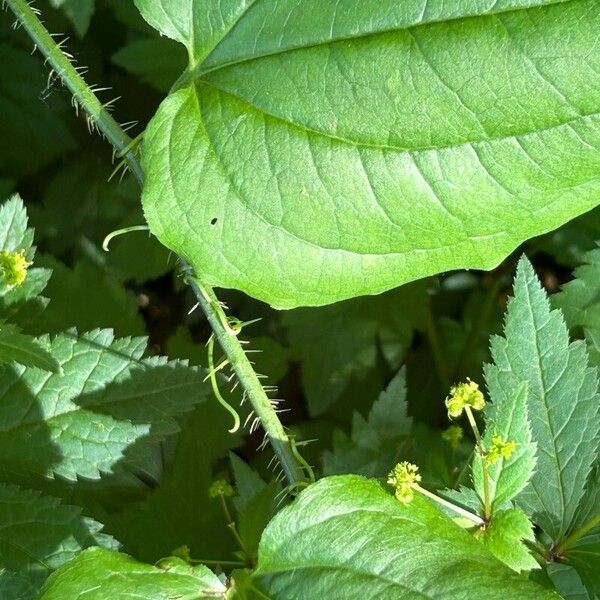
320,150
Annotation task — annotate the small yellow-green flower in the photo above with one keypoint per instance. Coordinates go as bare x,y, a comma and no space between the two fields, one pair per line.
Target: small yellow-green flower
405,478
453,435
220,487
14,267
464,394
499,448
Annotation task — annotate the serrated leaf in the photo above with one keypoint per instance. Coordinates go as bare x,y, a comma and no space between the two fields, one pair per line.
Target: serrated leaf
567,582
345,537
155,61
344,179
79,204
339,344
108,404
16,586
248,482
562,401
86,297
506,417
584,556
15,235
24,349
37,535
569,244
22,303
589,507
79,13
34,135
504,537
98,574
579,299
376,443
256,503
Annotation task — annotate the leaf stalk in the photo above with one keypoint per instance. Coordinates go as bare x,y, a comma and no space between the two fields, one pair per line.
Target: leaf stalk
487,504
450,506
576,535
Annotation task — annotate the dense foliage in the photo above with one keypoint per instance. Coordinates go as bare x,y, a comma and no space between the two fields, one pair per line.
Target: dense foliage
441,438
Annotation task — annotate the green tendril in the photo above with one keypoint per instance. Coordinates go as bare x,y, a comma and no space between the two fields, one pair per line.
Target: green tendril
212,374
117,232
307,468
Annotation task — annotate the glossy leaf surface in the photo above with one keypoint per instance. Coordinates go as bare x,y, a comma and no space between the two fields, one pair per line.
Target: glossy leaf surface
102,575
320,150
345,537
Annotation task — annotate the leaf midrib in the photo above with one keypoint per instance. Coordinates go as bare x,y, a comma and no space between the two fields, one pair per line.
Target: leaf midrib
413,151
549,424
198,72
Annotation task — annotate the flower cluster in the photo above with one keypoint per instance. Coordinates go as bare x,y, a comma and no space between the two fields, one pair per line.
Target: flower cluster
499,448
453,435
462,395
220,487
14,267
405,478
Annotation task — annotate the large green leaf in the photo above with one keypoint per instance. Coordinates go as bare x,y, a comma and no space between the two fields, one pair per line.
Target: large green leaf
106,406
323,150
562,403
579,299
345,537
98,574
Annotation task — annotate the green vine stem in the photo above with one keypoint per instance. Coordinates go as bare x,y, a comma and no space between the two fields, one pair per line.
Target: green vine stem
229,342
97,112
69,75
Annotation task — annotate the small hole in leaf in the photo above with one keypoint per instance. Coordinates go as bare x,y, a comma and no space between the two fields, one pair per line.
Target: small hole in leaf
213,221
